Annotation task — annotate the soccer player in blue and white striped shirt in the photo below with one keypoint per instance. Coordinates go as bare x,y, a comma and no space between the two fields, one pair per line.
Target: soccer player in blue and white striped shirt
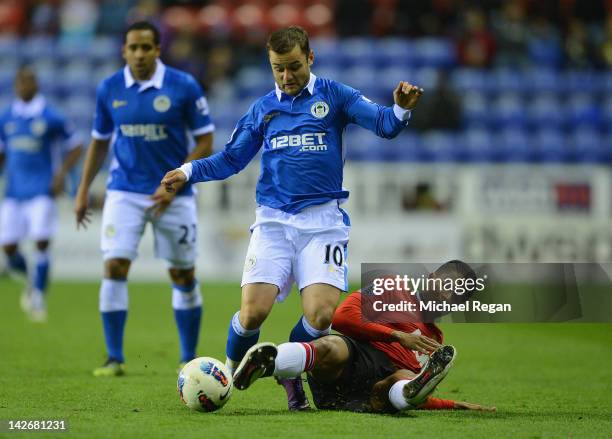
300,232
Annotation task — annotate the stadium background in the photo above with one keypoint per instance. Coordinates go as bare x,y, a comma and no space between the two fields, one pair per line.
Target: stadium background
507,159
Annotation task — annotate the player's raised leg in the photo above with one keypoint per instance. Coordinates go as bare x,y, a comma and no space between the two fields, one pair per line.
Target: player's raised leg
256,304
113,310
324,358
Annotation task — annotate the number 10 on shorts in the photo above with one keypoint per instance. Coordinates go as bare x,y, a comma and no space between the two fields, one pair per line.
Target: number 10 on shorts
334,254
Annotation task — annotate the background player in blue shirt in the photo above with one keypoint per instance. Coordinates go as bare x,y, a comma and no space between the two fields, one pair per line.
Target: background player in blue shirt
300,233
35,170
148,109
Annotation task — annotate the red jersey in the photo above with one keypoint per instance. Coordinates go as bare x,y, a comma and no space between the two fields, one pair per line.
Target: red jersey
348,320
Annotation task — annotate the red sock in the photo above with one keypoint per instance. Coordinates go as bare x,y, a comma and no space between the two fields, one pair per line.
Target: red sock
311,356
437,404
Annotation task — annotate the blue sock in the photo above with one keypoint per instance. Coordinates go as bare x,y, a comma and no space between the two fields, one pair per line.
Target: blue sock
113,310
114,324
41,274
187,305
304,332
239,339
17,262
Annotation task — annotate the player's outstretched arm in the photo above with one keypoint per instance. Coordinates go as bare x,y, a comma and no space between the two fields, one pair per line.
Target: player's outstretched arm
96,153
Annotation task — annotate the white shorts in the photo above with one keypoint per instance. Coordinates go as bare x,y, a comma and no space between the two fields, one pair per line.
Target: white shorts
309,247
124,219
35,218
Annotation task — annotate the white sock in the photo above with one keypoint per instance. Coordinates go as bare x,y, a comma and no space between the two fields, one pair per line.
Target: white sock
314,332
182,300
293,359
396,395
113,295
241,330
231,365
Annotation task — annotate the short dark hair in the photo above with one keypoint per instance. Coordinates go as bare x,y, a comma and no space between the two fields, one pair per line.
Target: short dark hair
143,25
285,39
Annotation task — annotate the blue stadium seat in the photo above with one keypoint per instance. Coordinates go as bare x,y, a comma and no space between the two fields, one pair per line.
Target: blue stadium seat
253,82
37,46
508,110
9,47
363,78
76,77
467,79
358,145
69,50
326,52
542,79
329,71
225,114
435,52
506,80
407,147
356,51
479,145
582,110
104,48
46,74
8,68
476,111
443,146
426,77
589,147
545,110
551,145
394,52
514,145
581,81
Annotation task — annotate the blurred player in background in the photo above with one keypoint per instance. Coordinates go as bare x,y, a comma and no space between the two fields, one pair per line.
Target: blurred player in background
152,110
35,172
371,366
300,232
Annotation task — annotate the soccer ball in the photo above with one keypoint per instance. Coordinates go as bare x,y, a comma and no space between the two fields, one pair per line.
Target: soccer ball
205,384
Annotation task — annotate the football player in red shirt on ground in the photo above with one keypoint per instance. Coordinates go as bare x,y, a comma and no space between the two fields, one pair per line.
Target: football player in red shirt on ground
369,367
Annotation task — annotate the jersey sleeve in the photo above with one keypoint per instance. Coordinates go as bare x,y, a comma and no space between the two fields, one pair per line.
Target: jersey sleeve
360,110
348,320
197,111
245,141
103,123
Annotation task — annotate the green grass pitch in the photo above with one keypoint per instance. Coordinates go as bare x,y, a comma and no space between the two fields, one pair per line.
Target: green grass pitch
547,380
